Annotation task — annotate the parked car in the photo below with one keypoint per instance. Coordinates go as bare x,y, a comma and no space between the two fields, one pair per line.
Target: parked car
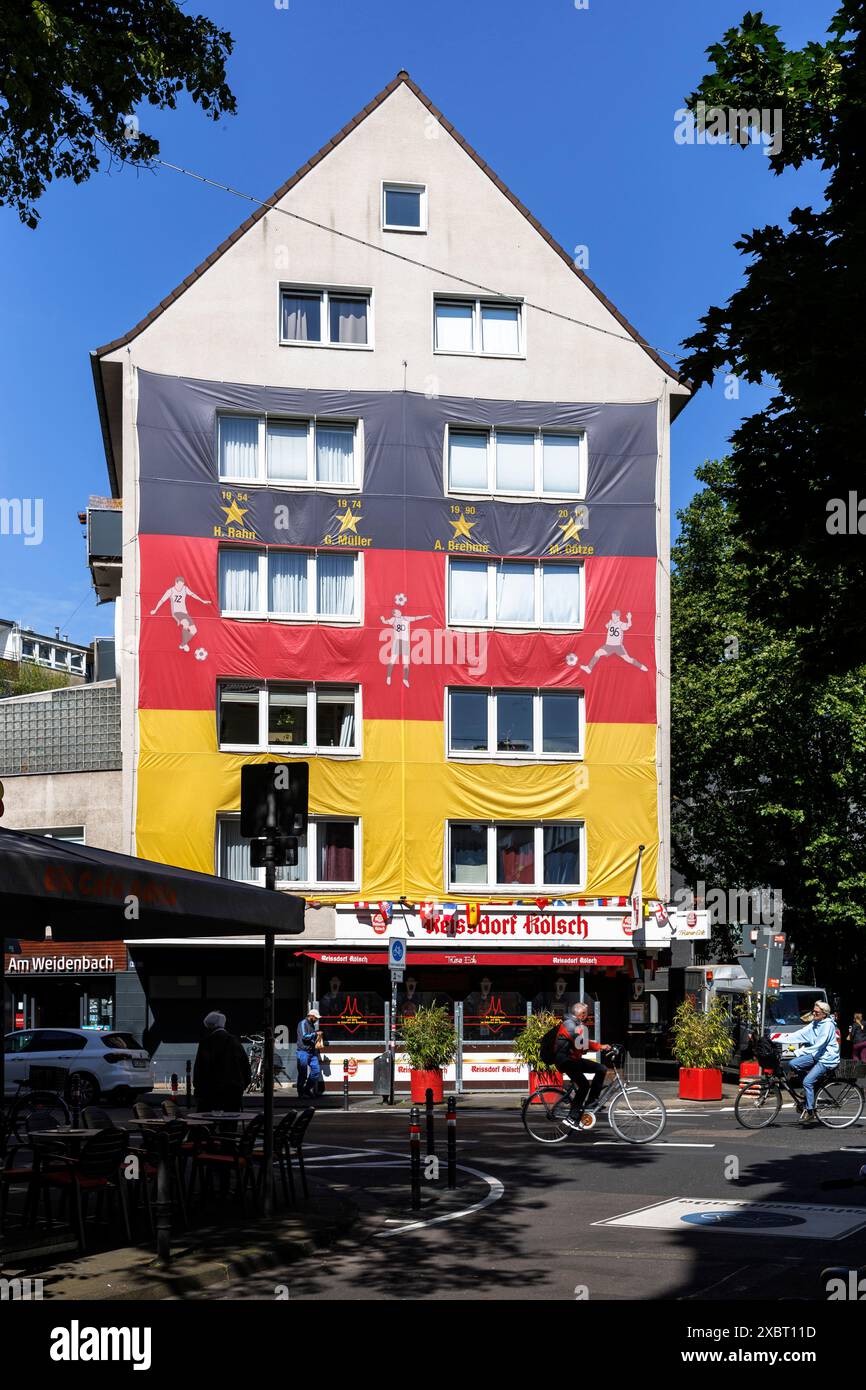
106,1063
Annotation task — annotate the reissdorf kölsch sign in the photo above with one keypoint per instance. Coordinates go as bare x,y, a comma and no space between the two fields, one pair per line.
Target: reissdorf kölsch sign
54,958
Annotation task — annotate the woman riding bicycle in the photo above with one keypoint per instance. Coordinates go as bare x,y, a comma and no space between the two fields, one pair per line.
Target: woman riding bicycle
572,1042
820,1054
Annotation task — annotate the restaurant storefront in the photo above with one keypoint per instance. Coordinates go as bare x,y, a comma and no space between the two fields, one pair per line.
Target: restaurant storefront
57,985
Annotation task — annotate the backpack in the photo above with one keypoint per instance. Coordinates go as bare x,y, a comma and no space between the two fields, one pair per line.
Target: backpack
547,1047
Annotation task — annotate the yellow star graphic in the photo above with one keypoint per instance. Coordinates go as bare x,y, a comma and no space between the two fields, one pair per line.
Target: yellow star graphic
348,521
235,513
572,528
462,527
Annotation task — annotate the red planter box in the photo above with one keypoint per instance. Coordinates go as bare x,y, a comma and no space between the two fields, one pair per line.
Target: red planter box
700,1083
544,1078
422,1081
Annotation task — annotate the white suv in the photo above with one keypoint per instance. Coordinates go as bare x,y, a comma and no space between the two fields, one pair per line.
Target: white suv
104,1062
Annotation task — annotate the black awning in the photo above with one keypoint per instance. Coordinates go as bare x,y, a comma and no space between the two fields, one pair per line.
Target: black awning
87,894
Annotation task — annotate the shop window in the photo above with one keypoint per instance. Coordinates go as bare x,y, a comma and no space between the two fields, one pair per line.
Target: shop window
508,855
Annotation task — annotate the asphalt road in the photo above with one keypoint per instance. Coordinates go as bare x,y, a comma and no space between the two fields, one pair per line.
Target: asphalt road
527,1222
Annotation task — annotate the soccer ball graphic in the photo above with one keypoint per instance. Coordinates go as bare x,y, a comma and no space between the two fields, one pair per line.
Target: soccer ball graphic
200,654
400,600
571,659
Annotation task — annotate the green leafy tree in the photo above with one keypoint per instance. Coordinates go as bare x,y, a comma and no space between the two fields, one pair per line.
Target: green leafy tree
768,757
74,72
798,323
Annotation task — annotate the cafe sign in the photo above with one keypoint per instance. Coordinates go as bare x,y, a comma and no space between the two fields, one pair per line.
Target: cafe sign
52,958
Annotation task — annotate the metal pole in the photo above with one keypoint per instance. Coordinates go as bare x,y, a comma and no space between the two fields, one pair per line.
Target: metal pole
415,1157
345,1083
431,1138
451,1124
269,972
188,1084
163,1204
393,1042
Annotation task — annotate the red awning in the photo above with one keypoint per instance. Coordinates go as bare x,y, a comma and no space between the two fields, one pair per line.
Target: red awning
570,959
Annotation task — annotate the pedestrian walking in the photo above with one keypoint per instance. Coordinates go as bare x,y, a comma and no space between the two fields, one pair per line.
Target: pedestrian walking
310,1044
222,1069
857,1036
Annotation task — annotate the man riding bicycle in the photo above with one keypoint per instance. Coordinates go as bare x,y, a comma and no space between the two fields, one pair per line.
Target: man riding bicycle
572,1043
820,1053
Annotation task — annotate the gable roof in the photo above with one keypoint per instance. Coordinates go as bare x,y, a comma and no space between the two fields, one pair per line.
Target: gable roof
260,212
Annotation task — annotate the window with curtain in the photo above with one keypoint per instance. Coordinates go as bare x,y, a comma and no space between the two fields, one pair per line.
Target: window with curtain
335,454
234,852
515,593
560,455
239,581
238,446
335,585
467,460
468,854
561,853
336,851
454,326
515,854
287,450
348,320
500,329
560,586
288,589
335,718
468,591
298,873
302,318
515,462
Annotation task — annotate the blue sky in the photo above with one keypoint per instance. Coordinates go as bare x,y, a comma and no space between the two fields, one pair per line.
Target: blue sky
573,108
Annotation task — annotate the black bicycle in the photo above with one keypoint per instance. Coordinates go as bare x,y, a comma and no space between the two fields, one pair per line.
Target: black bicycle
39,1103
838,1099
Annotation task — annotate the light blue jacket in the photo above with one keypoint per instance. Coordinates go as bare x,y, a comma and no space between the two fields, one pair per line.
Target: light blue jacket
819,1040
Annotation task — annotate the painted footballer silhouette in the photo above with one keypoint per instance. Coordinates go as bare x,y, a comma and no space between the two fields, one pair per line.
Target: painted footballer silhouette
614,645
177,596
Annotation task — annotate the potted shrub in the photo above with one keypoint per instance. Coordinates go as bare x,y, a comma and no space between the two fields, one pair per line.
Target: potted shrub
430,1042
526,1049
702,1046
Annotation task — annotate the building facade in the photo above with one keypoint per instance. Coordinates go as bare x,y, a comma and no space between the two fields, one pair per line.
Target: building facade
395,503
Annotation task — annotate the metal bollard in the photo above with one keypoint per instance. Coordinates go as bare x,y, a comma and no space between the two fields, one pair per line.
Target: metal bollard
415,1157
188,1084
345,1083
174,1086
75,1100
451,1122
431,1138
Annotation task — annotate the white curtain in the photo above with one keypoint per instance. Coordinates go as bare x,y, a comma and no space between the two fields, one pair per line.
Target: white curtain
468,591
500,331
287,450
287,581
335,453
296,873
561,463
345,699
302,318
238,446
335,585
467,460
234,852
515,593
561,590
515,462
239,581
348,320
454,327
468,854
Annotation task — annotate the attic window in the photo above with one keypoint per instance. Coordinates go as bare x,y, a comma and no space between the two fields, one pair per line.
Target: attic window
404,207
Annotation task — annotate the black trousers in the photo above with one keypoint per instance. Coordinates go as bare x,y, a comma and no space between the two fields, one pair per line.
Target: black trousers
584,1090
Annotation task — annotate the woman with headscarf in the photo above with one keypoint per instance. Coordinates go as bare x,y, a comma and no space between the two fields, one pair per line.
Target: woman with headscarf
222,1069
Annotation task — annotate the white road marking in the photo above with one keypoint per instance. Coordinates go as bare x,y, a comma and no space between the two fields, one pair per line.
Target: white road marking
653,1144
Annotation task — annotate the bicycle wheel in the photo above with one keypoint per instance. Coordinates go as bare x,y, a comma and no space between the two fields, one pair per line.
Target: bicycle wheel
758,1104
38,1110
636,1115
543,1113
838,1104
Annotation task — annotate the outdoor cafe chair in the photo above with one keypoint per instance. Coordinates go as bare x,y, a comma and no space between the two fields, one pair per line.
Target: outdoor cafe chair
170,1109
142,1111
295,1141
281,1136
92,1117
97,1169
227,1154
13,1173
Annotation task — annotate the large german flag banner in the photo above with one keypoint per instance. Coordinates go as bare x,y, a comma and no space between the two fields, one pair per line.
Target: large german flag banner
291,536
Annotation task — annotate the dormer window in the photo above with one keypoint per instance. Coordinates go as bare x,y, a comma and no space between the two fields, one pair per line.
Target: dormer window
404,207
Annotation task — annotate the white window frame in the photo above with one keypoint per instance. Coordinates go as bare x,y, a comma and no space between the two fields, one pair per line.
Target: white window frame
536,625
557,890
263,614
537,492
398,186
535,755
308,484
308,749
325,292
478,302
298,885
